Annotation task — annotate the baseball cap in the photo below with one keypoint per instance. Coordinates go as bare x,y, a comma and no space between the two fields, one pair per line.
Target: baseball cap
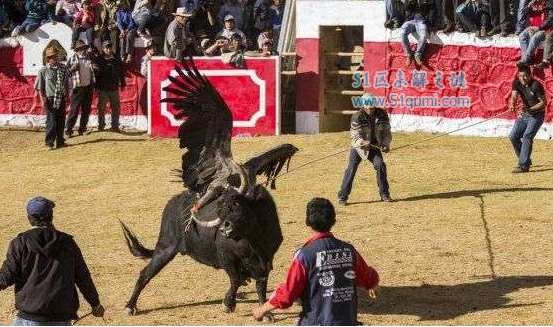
40,208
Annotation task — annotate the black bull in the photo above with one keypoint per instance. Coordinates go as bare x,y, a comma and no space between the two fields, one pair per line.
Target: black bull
244,243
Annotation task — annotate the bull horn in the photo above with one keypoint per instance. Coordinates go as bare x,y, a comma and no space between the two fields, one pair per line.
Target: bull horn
244,182
206,224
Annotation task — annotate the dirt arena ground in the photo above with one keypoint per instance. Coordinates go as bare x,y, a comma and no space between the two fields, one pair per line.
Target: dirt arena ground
466,243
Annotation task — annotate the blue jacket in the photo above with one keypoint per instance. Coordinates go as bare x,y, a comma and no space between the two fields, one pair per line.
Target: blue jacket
124,20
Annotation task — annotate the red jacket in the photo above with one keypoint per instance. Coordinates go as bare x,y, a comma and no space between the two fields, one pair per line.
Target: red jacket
288,292
89,22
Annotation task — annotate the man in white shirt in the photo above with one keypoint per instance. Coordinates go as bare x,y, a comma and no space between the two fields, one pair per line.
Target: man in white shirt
82,77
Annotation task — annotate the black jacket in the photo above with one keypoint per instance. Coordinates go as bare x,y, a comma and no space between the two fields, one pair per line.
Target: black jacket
110,74
45,265
421,9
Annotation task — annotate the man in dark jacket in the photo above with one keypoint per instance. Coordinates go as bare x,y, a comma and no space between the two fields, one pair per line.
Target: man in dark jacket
45,265
324,275
371,135
109,78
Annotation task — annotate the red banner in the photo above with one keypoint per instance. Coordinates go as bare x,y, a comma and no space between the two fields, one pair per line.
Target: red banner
252,94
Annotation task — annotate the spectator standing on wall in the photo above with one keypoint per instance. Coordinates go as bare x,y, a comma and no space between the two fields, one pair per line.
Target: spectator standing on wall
531,117
84,22
45,265
66,10
418,16
236,10
37,12
533,35
127,31
52,84
81,69
178,38
110,77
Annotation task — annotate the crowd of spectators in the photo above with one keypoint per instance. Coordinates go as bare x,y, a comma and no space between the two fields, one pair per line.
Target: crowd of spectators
176,28
530,20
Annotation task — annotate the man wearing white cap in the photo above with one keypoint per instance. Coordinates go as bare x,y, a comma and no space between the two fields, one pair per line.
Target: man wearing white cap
370,136
178,38
229,29
235,9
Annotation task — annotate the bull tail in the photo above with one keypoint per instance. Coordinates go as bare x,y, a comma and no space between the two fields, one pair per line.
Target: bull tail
135,247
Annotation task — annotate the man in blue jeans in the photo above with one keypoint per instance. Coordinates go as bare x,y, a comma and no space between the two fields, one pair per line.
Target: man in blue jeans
527,125
419,16
370,136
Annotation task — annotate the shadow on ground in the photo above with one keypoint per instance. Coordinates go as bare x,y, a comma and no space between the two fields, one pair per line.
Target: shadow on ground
444,302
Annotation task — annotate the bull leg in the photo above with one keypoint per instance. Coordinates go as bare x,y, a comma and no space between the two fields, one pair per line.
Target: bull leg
160,259
236,280
261,288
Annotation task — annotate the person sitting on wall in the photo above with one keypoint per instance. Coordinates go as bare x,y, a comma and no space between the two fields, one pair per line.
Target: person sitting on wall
66,10
84,22
534,34
418,18
127,31
474,16
37,14
394,14
547,26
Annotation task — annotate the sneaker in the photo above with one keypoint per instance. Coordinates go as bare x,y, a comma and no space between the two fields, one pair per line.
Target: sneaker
388,24
115,130
50,146
69,133
396,25
61,145
343,202
519,170
386,198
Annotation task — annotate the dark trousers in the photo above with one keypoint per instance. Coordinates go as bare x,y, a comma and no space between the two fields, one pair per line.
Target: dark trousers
522,136
375,157
111,96
81,98
55,122
502,15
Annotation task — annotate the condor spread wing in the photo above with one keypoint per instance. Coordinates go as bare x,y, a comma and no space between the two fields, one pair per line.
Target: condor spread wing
206,133
270,163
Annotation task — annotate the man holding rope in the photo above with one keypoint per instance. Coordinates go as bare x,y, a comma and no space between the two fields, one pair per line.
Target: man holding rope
370,136
531,118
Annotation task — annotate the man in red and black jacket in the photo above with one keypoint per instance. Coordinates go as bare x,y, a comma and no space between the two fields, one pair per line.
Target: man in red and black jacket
324,275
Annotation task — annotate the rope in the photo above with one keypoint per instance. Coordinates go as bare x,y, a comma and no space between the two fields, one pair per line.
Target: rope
379,148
